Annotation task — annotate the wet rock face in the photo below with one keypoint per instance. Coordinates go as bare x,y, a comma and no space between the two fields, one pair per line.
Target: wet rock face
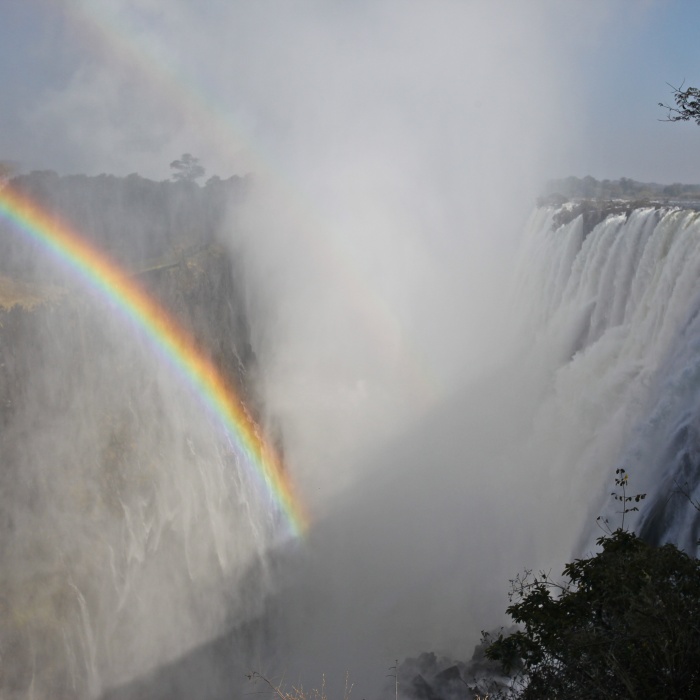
100,501
126,515
204,291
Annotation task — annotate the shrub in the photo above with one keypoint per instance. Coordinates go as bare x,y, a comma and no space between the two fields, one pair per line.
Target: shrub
624,623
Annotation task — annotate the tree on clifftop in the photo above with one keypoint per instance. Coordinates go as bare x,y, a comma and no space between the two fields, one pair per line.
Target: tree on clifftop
687,105
187,168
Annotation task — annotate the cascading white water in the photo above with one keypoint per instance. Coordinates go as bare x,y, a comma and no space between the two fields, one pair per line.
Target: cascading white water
614,323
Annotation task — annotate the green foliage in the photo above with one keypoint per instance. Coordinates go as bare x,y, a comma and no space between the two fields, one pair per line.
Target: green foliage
624,623
687,105
622,482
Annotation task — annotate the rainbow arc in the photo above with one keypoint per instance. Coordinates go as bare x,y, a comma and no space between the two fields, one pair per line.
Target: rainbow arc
168,337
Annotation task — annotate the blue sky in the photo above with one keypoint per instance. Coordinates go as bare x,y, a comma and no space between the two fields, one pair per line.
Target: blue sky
627,76
611,79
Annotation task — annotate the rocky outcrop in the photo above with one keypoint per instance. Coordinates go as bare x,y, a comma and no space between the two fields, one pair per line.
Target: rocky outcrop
594,211
431,677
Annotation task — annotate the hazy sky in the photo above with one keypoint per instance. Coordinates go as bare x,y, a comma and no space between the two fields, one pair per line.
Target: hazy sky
116,85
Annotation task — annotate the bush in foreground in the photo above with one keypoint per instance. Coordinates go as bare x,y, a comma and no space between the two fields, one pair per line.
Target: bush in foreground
624,623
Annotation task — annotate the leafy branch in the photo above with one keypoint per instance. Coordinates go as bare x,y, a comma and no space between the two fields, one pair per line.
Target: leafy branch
621,481
687,105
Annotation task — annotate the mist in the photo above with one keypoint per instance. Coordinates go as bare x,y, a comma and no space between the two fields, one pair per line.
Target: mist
388,221
395,152
385,318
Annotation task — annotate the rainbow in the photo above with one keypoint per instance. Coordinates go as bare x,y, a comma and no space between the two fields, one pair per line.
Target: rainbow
218,395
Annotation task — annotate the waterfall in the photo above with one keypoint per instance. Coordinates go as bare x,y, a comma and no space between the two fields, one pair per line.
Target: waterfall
613,325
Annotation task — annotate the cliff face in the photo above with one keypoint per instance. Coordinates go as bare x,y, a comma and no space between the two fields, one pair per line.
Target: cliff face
202,290
205,290
125,519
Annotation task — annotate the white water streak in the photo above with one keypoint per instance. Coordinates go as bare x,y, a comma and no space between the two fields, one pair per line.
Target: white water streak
613,331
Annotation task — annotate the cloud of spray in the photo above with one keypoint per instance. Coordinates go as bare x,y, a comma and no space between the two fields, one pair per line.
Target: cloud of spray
398,147
411,140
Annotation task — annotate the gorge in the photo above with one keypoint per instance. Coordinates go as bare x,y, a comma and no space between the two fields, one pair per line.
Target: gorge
139,557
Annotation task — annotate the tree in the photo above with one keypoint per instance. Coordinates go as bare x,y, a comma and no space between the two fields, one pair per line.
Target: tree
187,168
687,105
624,623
